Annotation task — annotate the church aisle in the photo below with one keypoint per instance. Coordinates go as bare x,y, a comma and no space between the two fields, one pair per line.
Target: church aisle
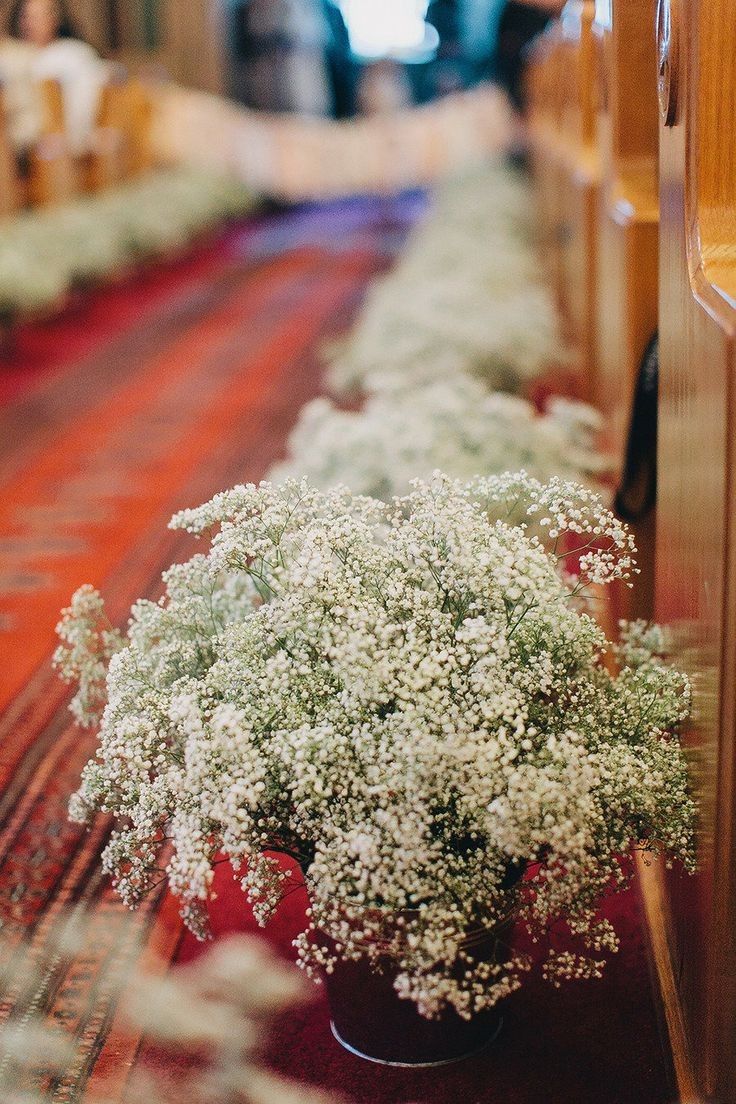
199,395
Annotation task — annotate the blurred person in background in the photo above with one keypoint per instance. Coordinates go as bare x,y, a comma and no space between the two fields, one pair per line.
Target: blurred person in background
384,88
341,66
283,47
55,52
521,21
450,64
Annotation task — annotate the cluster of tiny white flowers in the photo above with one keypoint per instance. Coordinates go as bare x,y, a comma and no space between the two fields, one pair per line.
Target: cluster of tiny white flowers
89,642
46,253
469,295
455,425
214,1014
406,698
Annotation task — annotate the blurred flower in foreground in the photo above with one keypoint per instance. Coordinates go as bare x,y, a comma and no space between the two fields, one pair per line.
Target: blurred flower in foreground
208,1022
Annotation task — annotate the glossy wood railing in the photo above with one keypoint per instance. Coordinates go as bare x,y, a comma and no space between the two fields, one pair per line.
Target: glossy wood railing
696,554
563,134
628,214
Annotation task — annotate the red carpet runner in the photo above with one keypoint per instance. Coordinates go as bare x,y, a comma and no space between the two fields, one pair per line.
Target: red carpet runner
149,398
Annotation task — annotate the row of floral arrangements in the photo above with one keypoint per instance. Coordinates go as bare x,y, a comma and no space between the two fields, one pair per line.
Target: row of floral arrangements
442,347
46,254
470,295
409,696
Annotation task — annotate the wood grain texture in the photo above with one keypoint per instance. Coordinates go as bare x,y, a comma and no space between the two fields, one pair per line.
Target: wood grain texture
545,93
628,212
581,183
696,575
652,882
565,155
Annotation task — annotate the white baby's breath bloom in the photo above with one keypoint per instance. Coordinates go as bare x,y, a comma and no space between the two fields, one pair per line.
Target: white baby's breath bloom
409,700
469,296
44,254
216,1010
455,425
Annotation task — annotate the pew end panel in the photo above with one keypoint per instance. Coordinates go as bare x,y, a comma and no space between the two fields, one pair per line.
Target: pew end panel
628,215
580,185
696,570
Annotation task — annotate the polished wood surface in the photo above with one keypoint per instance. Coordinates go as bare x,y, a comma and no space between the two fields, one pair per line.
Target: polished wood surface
580,183
126,108
52,99
628,213
696,574
108,161
565,155
545,93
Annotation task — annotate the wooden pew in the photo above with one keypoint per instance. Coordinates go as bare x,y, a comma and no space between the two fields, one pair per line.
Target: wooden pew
580,183
107,162
53,176
626,283
122,141
544,96
628,213
126,108
565,156
120,146
693,919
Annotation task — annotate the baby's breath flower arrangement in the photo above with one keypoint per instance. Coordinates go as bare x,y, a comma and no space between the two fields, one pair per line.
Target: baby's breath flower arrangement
412,701
45,254
455,425
469,295
208,1020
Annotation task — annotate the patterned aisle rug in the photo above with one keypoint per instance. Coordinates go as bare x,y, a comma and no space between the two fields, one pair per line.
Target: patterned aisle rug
183,392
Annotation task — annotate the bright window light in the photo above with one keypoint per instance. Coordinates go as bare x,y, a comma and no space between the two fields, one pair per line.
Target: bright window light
389,28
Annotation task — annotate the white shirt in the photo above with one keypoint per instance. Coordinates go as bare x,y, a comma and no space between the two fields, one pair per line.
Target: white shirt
81,73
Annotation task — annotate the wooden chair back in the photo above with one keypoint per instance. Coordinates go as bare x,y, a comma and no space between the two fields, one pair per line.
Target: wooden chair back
53,176
122,147
52,103
10,196
106,163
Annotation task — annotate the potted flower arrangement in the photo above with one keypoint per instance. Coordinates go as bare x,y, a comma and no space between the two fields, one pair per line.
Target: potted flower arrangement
412,701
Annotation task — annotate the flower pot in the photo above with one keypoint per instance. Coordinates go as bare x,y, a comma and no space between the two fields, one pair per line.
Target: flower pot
372,1021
